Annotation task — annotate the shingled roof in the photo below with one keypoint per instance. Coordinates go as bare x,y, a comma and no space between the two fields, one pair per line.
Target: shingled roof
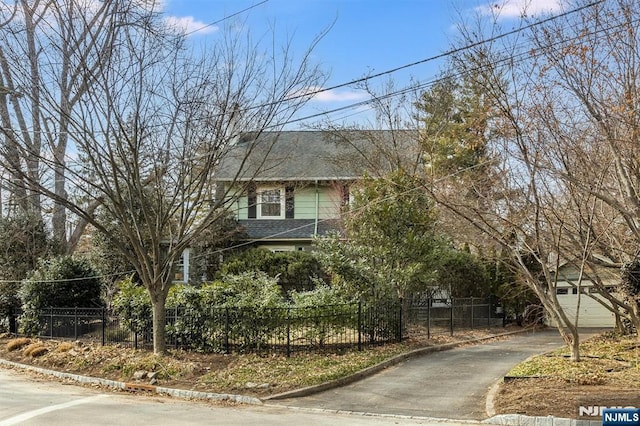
305,155
288,229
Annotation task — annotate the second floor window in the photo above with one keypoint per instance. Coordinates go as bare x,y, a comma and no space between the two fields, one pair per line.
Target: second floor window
271,203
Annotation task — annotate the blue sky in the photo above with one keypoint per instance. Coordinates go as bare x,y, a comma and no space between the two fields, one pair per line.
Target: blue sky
366,37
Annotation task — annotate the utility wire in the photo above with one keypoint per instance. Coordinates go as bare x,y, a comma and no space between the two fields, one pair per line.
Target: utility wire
225,18
451,52
445,54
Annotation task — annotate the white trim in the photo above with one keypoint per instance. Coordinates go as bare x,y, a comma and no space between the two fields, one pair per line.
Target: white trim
260,190
278,248
181,274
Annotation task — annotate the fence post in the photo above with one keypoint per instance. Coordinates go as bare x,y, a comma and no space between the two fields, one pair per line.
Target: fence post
226,330
75,322
13,321
360,325
104,325
135,339
288,331
399,335
429,318
472,313
178,340
452,318
51,321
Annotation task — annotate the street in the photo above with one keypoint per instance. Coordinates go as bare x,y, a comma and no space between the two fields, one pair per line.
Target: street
31,400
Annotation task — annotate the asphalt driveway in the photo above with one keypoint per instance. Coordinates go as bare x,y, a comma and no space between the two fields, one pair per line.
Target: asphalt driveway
451,384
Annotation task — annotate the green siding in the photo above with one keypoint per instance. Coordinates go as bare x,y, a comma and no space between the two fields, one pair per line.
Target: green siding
242,212
329,200
328,203
239,206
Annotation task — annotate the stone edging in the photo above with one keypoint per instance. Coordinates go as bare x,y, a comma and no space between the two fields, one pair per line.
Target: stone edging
522,420
137,387
369,371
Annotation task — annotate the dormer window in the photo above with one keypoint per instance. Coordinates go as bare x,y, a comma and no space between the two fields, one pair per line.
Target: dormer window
271,203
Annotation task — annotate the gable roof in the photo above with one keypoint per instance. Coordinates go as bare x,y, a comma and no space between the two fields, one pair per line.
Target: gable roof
307,155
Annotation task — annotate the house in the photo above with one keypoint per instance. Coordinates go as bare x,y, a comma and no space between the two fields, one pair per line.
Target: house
592,312
287,187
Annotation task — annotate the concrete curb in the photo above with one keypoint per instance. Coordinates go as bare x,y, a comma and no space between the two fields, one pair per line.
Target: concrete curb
309,390
521,420
490,408
137,387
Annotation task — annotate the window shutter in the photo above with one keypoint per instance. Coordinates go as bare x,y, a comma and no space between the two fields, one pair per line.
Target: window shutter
252,201
345,195
288,202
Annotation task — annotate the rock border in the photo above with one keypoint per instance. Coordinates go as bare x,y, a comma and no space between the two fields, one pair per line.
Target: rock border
522,420
137,387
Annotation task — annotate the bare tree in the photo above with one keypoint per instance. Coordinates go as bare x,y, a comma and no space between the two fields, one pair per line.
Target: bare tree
106,107
587,105
566,125
388,143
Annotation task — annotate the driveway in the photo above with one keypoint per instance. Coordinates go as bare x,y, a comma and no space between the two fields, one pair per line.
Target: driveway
29,400
451,384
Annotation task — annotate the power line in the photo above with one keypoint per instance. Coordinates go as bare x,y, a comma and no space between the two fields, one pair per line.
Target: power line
451,52
522,55
253,241
505,61
225,18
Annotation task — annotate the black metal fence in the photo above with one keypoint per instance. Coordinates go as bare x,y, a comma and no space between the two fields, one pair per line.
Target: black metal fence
436,316
283,330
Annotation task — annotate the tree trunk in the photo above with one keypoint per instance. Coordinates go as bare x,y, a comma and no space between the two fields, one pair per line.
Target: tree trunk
569,333
575,346
159,323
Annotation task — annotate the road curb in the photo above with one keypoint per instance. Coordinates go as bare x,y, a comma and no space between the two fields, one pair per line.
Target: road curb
369,371
137,387
490,408
522,420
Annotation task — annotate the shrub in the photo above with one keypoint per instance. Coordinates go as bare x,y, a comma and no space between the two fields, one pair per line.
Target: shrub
463,274
251,300
16,344
247,289
133,306
64,281
35,350
64,347
23,240
298,270
331,313
322,295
